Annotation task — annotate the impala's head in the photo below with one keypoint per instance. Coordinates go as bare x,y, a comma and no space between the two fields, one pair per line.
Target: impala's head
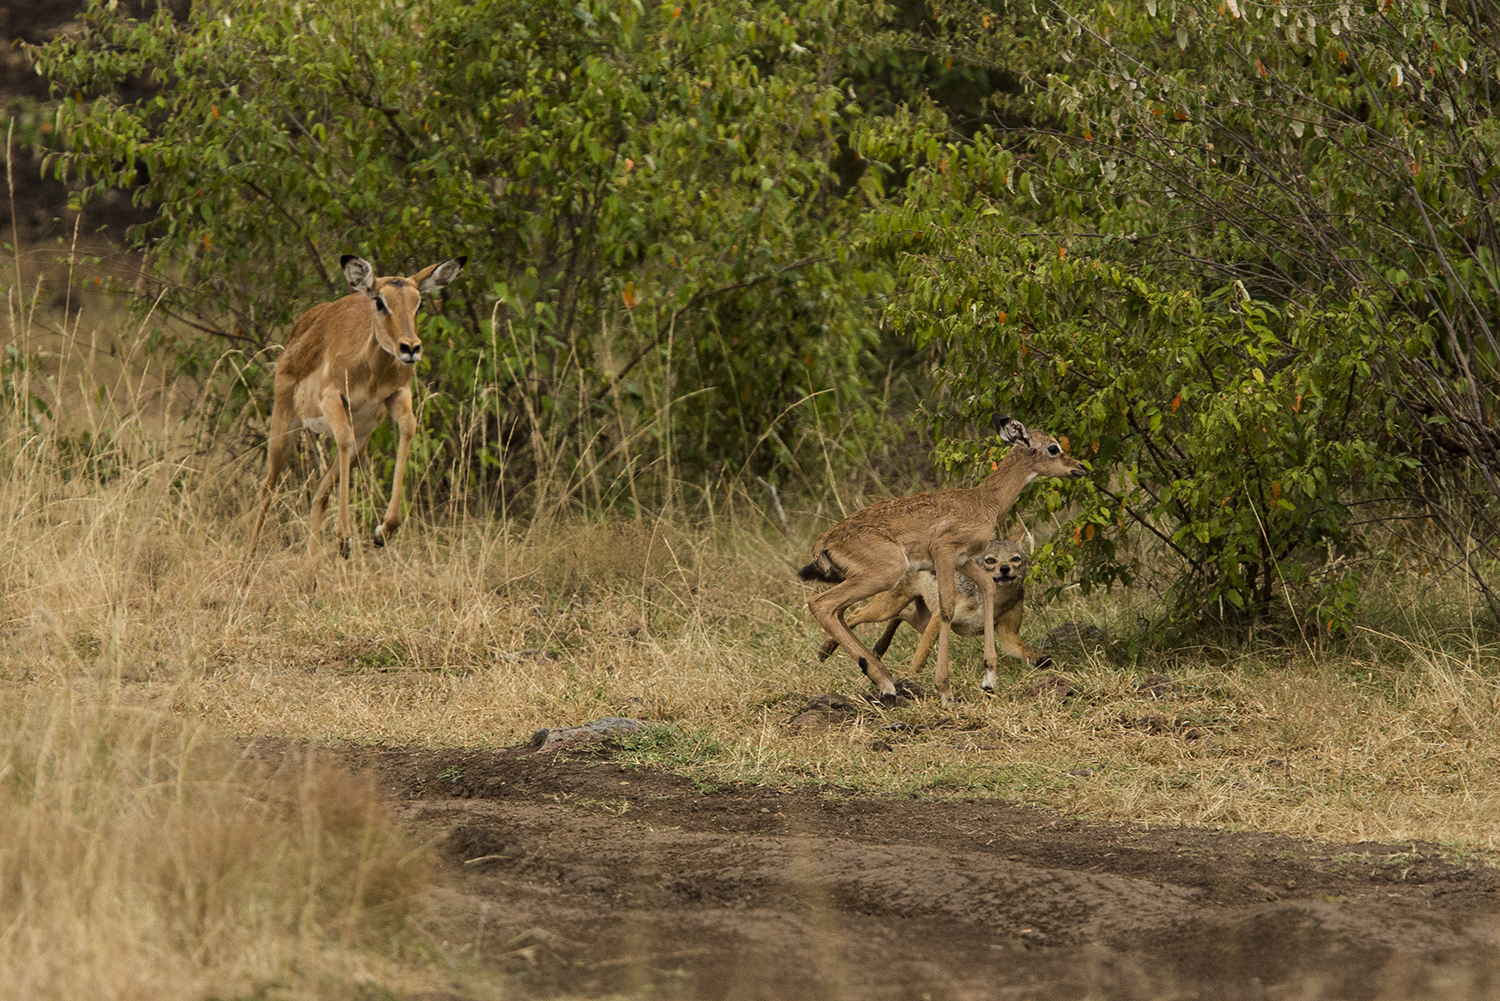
394,302
1046,456
1005,561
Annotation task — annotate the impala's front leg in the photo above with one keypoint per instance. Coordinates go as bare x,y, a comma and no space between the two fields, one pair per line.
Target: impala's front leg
399,407
986,585
337,416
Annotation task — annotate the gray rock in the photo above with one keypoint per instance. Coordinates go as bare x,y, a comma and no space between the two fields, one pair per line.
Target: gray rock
554,738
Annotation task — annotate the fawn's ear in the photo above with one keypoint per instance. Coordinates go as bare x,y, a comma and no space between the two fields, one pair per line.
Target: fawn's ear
1010,430
357,272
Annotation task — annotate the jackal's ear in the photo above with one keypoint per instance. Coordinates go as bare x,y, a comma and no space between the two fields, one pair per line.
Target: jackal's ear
432,278
1010,430
357,272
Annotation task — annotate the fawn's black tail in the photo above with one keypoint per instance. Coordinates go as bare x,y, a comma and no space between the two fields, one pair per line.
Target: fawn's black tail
822,568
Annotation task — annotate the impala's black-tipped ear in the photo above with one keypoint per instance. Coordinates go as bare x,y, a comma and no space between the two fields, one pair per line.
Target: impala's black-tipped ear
433,278
1010,430
357,272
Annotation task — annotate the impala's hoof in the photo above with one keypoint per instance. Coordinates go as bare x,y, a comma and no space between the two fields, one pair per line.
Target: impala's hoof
987,689
344,548
908,690
379,535
1042,663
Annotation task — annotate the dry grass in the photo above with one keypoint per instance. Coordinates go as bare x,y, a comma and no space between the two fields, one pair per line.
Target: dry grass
141,859
138,859
472,631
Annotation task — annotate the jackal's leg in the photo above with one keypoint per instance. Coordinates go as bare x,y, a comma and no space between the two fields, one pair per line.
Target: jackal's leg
932,624
986,585
1008,629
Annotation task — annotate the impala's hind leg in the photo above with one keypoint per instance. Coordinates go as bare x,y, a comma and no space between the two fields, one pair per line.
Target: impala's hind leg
881,608
278,444
878,570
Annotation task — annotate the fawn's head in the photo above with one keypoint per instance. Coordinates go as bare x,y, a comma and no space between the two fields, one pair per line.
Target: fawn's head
1042,453
394,302
1005,561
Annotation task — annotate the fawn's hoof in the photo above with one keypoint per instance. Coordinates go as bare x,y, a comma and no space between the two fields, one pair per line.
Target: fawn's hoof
344,548
379,536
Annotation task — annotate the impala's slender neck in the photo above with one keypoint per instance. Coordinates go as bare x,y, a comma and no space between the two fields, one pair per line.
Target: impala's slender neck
1001,488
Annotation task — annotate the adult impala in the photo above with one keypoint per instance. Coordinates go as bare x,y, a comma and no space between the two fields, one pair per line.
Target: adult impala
346,365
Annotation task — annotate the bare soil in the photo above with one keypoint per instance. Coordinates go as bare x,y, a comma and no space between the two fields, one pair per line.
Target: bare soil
581,877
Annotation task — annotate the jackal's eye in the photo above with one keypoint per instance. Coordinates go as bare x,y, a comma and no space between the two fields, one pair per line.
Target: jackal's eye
380,305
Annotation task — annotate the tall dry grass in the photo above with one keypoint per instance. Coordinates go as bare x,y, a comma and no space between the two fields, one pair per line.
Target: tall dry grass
141,858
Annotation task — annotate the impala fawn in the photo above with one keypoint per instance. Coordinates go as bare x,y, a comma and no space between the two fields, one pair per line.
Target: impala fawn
942,530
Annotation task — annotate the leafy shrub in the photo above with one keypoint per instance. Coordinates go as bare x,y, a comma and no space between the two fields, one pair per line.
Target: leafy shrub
659,266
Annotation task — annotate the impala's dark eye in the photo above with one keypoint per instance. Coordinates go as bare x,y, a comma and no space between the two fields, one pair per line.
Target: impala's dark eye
1054,450
380,305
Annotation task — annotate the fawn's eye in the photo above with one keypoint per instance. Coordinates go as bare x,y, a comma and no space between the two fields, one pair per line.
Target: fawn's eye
380,305
1054,450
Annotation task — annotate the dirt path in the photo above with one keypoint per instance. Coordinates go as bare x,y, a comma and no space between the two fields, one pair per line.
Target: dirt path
587,878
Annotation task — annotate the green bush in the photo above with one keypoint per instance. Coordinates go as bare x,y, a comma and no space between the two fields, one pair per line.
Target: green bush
1247,252
661,268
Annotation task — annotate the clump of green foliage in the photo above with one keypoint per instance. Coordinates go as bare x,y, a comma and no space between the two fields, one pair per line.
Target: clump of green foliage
1244,255
660,269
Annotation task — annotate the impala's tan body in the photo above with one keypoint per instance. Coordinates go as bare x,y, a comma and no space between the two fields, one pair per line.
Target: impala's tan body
874,548
913,600
346,366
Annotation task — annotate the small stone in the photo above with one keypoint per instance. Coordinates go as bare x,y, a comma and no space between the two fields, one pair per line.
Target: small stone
1050,686
1195,733
1073,635
1082,773
879,745
833,702
552,738
811,721
1152,724
1155,685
